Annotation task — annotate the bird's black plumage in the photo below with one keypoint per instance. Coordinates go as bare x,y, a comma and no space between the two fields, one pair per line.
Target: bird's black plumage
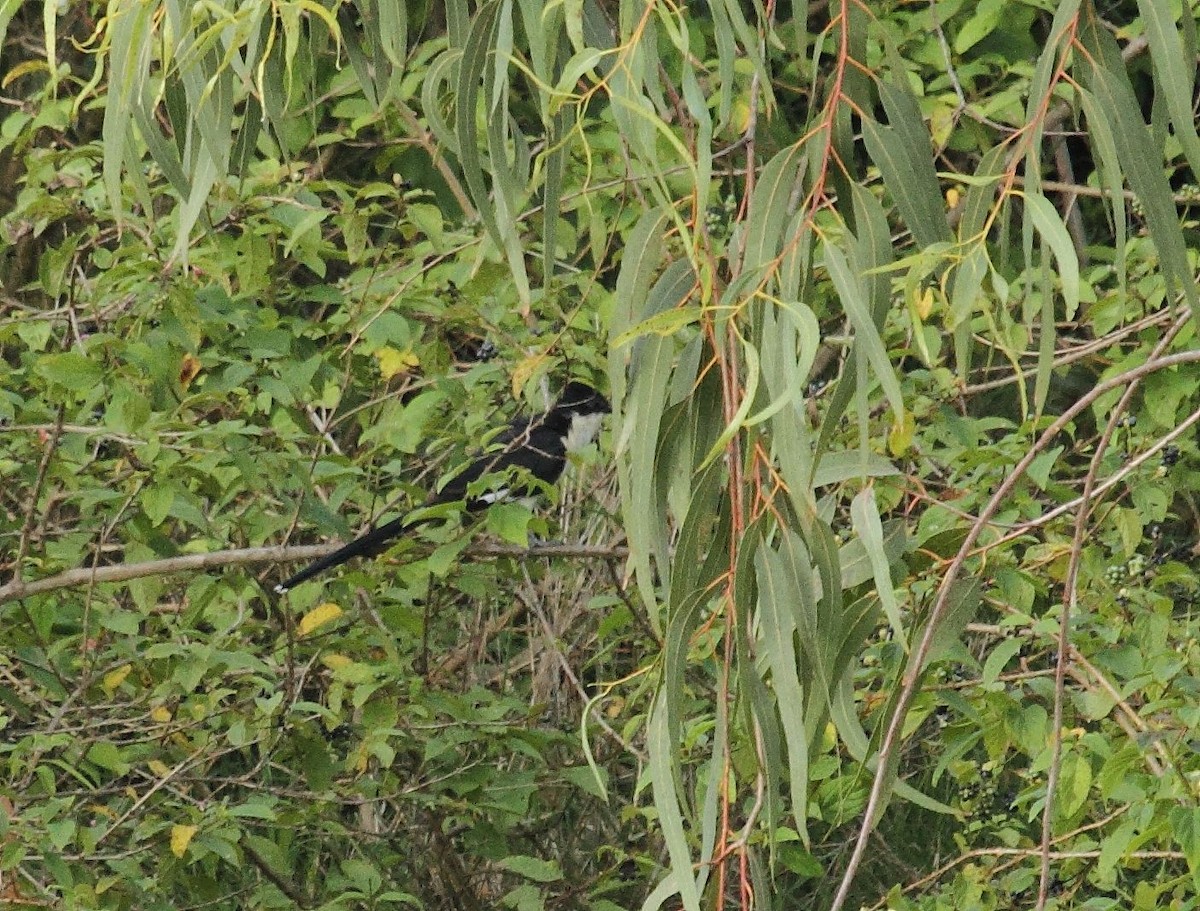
536,445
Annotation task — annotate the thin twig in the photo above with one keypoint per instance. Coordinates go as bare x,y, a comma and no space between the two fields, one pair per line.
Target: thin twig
35,493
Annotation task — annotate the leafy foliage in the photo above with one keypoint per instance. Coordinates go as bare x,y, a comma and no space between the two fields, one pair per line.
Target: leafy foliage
904,384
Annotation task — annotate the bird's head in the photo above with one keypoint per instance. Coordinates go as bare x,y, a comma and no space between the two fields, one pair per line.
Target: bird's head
578,413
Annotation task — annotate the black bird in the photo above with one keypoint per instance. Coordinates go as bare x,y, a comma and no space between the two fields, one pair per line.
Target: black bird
536,445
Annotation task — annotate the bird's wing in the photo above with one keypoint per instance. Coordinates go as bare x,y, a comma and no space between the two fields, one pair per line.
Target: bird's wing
526,444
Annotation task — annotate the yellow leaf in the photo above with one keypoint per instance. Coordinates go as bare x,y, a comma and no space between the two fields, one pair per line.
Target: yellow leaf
739,116
159,768
114,679
181,836
22,69
161,714
664,323
319,616
925,303
336,662
524,371
189,368
901,435
942,121
393,361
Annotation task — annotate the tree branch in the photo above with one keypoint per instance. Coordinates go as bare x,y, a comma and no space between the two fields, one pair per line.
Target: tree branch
123,572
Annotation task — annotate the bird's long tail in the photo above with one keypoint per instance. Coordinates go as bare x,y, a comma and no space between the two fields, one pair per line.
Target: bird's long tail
368,545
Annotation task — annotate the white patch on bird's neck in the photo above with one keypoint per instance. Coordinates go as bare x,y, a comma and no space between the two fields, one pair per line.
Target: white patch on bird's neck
582,431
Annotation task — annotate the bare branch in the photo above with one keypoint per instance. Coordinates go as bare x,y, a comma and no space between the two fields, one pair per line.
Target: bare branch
123,572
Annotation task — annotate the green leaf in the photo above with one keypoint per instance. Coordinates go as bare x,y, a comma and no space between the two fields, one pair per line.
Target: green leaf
980,25
997,659
1074,782
1139,154
768,207
510,521
71,370
666,322
470,70
1185,826
541,871
785,589
904,155
1114,846
666,801
853,298
107,755
1051,227
157,501
867,525
1176,83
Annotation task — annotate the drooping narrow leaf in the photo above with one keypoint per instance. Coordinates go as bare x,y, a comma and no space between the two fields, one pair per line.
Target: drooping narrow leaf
768,207
1175,83
1046,338
981,194
709,811
723,38
556,156
639,265
780,578
864,515
1039,88
1050,226
759,708
866,335
1108,162
458,22
471,69
442,71
651,367
661,748
751,48
131,36
904,154
791,336
507,147
1140,156
873,251
393,31
7,9
966,298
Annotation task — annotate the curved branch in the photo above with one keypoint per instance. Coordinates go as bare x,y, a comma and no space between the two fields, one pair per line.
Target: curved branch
912,671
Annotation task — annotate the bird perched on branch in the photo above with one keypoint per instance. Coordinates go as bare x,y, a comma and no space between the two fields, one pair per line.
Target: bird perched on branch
534,447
